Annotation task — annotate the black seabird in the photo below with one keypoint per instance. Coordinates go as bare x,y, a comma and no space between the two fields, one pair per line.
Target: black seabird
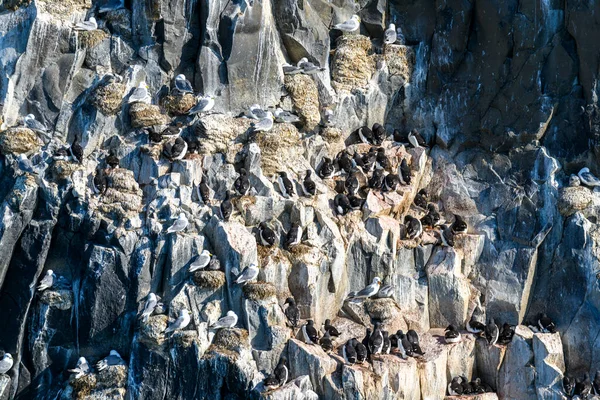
405,176
416,140
345,162
349,352
172,130
309,186
413,227
342,204
153,135
432,211
379,134
242,183
285,185
569,385
193,146
474,326
292,312
177,150
356,202
546,325
112,161
326,342
309,333
365,135
226,207
596,382
100,181
413,338
390,182
447,236
506,334
427,221
421,199
583,387
361,351
327,168
365,341
77,151
492,332
376,180
459,225
404,346
381,160
294,236
266,234
351,183
204,191
387,344
455,387
357,159
400,136
394,341
369,159
451,334
279,376
376,340
330,328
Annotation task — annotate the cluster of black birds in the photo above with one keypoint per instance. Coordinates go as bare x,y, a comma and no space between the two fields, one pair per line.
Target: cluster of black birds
460,386
582,387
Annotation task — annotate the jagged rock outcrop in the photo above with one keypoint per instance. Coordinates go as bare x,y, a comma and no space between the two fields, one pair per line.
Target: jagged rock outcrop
505,95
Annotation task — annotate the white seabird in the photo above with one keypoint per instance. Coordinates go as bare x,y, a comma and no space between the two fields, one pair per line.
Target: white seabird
151,302
88,25
265,124
47,281
203,104
183,85
350,25
255,111
140,94
201,262
228,321
248,274
285,116
114,358
81,369
179,225
587,178
181,322
33,124
370,291
390,35
6,363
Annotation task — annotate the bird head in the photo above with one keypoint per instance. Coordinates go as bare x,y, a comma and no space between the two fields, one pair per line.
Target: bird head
449,328
151,296
377,281
392,27
182,216
49,272
180,77
356,18
184,312
231,313
8,356
92,20
115,353
29,117
290,300
81,360
310,322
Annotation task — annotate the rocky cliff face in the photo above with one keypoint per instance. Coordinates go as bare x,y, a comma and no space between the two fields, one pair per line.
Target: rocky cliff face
505,93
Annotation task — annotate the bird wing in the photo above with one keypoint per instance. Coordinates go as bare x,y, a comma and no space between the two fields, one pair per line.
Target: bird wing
47,281
390,35
366,291
225,321
183,85
149,307
347,25
113,360
178,225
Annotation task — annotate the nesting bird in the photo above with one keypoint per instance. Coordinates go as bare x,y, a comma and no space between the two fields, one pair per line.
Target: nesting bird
47,281
182,321
228,321
249,274
350,25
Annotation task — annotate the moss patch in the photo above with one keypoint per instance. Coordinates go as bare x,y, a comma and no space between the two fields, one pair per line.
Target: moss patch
259,290
381,309
83,386
143,115
89,39
209,279
305,97
353,63
278,147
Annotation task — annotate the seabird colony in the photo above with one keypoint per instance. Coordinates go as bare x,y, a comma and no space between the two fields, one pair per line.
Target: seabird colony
373,164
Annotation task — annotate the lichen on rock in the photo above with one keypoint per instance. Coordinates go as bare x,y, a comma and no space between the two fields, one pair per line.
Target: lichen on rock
18,140
108,98
209,279
143,115
305,97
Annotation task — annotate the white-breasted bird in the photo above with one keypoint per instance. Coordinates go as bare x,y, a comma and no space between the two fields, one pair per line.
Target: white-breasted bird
203,104
183,85
587,178
140,94
88,25
350,25
149,306
228,321
248,274
181,322
6,363
47,281
179,225
369,291
201,262
81,369
114,358
390,35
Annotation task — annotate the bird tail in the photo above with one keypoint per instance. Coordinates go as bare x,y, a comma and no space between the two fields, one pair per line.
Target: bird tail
417,349
41,288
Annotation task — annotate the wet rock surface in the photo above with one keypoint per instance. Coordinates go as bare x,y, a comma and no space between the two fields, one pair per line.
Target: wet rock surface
505,97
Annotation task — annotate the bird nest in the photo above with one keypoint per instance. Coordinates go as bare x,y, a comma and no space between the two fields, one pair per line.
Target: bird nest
209,279
151,332
400,61
18,140
259,291
353,63
108,99
230,339
83,386
185,339
60,299
89,39
112,377
62,169
179,104
278,147
382,309
143,114
305,97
